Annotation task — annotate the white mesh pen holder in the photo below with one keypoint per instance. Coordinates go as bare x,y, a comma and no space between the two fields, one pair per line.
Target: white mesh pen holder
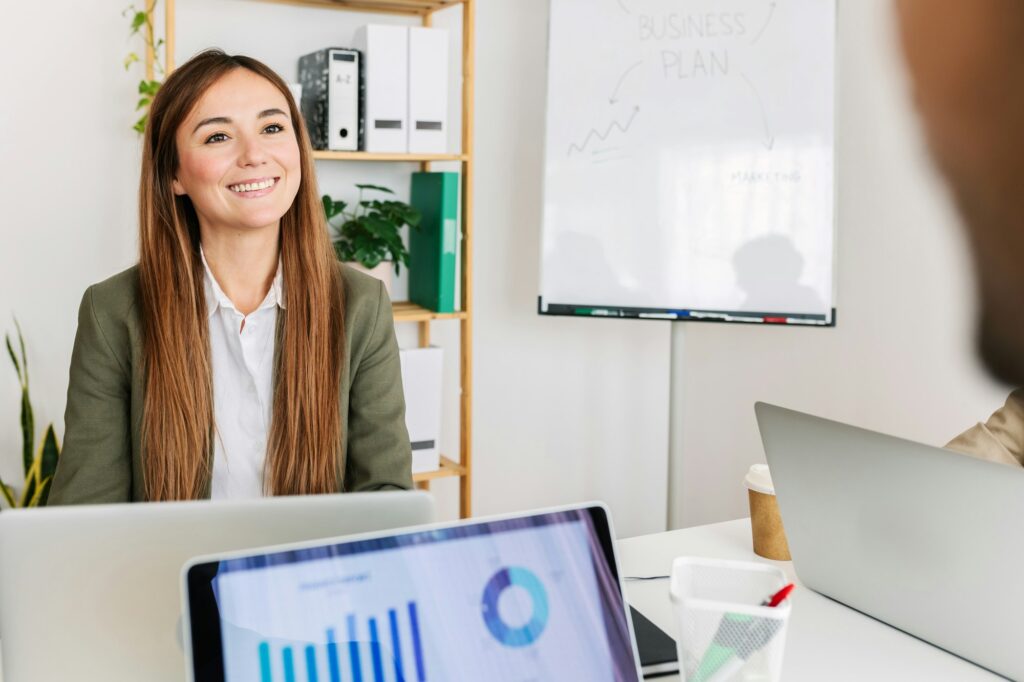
724,634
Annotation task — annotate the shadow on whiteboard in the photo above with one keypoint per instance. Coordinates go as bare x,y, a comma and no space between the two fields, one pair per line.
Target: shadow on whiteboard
768,270
578,269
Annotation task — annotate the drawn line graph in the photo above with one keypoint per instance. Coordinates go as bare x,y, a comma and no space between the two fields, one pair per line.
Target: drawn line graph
596,134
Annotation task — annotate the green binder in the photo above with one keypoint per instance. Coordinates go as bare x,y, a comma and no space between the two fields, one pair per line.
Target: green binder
433,252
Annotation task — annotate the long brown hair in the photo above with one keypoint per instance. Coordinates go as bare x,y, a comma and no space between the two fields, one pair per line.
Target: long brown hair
177,423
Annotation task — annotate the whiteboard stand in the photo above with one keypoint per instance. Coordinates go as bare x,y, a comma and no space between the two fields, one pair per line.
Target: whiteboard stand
675,475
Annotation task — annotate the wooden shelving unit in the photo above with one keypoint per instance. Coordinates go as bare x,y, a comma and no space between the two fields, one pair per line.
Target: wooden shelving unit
393,158
404,311
448,469
407,7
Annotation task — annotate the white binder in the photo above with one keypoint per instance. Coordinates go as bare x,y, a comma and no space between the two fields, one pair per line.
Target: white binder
422,384
343,100
428,90
386,76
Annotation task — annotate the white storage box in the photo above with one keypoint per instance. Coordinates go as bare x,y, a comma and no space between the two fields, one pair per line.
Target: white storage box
421,380
428,90
723,632
385,51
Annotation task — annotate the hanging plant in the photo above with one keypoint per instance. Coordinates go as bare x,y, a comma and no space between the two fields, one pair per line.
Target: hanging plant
142,24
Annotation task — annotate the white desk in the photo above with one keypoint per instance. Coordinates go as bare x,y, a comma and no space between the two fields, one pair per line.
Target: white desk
825,641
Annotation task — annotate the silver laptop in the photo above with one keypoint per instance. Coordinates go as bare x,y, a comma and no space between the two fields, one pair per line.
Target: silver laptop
534,596
922,538
91,593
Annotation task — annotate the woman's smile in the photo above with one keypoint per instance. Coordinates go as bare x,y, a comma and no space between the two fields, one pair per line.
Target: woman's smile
254,188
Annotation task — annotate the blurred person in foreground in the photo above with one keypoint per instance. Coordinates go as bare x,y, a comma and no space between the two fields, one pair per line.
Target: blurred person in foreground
966,63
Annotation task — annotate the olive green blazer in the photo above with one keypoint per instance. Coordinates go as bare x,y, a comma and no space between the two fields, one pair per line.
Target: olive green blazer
102,459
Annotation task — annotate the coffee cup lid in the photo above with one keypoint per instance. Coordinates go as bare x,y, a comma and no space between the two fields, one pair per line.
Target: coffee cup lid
759,479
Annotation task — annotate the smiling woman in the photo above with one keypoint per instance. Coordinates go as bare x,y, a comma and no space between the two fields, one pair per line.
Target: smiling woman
238,358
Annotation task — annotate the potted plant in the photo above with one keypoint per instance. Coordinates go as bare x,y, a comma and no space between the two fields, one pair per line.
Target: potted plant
39,466
368,237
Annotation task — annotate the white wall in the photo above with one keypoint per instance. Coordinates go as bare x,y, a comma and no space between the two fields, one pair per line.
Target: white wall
564,409
68,180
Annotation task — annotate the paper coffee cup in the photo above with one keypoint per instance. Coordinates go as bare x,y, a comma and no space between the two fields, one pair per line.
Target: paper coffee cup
765,520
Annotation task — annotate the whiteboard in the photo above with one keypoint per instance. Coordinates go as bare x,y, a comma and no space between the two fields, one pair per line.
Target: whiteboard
689,160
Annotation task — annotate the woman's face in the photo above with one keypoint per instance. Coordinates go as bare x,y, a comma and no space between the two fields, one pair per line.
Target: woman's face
238,155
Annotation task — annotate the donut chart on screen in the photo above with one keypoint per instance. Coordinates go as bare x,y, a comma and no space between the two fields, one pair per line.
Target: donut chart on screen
502,631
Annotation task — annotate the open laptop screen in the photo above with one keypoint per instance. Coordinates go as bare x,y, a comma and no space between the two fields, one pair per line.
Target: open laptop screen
528,598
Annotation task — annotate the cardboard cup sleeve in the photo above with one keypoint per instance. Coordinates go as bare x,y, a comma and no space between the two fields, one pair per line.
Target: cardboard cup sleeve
766,524
765,519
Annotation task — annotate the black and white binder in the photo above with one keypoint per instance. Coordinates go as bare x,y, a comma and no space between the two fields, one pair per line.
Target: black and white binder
331,98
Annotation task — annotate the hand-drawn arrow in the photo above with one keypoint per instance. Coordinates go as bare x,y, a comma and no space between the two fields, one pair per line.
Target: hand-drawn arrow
769,141
614,98
771,13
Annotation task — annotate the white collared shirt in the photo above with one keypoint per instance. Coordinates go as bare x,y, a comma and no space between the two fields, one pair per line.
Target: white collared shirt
242,358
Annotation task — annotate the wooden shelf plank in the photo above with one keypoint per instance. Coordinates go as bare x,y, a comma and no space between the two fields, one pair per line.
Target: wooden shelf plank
324,155
405,311
449,469
410,7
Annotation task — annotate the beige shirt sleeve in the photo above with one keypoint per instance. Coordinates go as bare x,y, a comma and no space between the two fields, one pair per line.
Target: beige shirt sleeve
1001,438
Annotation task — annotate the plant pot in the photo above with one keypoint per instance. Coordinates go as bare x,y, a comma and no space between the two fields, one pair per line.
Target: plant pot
384,272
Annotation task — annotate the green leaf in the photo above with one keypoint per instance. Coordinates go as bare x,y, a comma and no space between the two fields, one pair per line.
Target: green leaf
49,452
332,208
368,259
138,21
129,60
42,494
379,226
8,494
28,431
355,226
342,250
24,357
14,359
142,102
140,125
26,417
31,485
375,187
148,87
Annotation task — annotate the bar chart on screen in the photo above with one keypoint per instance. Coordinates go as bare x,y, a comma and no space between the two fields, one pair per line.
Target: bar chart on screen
379,648
525,604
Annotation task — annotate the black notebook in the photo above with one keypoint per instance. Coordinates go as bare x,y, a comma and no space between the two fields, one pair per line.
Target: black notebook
657,650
